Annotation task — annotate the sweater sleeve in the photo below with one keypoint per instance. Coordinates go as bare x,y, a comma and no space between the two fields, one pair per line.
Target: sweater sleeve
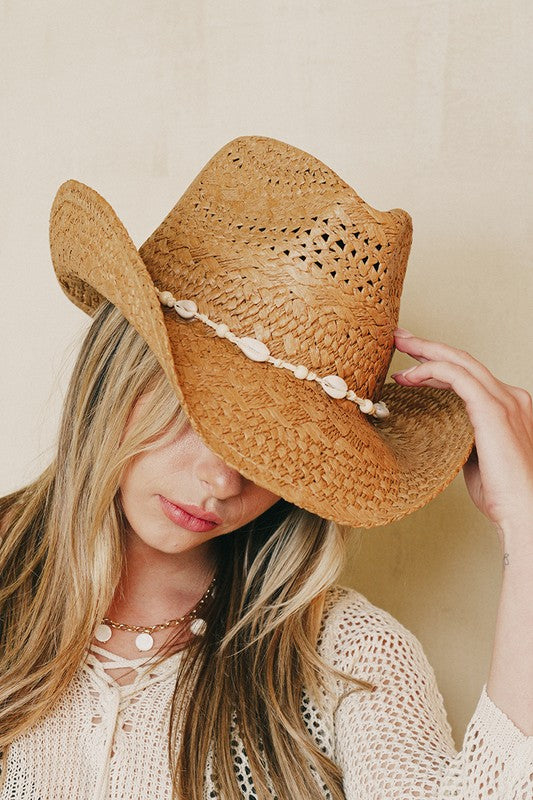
397,743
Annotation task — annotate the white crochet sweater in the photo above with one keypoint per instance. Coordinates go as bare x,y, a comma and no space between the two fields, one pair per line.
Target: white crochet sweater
105,741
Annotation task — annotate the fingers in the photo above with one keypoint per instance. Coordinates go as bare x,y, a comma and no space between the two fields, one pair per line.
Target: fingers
447,375
424,350
514,398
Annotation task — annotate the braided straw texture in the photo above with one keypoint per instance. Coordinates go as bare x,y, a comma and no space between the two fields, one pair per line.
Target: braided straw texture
271,241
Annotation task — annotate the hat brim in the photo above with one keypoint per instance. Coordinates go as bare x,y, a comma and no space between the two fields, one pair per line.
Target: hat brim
282,433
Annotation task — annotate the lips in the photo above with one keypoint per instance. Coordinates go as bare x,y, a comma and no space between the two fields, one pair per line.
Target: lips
196,511
185,518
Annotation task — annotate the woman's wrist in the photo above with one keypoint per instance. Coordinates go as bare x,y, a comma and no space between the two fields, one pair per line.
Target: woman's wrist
516,540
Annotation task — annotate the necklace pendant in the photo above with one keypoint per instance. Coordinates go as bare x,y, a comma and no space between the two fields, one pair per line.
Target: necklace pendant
144,642
103,633
198,626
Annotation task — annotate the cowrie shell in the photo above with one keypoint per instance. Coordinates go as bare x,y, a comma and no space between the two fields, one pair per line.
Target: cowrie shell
253,348
186,308
335,386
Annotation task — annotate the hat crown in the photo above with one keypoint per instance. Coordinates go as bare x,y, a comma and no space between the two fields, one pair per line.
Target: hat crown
272,242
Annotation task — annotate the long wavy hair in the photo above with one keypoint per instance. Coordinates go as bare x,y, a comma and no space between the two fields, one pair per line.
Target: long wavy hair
62,555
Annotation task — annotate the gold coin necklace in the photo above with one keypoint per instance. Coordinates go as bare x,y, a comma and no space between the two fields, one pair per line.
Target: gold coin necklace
144,640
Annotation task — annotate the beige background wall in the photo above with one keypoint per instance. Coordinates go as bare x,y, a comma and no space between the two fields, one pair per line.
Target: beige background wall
422,105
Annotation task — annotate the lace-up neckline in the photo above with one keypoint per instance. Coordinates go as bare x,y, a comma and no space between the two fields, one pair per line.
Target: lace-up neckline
146,671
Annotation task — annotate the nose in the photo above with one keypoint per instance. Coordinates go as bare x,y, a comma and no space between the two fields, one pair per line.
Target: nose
222,480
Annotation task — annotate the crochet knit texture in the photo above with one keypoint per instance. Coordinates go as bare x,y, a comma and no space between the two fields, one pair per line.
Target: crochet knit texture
106,741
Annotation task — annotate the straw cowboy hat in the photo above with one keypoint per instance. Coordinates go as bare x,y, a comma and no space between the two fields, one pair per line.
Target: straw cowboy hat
269,294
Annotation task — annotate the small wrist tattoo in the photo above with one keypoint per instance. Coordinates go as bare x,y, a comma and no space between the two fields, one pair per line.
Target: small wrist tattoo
506,559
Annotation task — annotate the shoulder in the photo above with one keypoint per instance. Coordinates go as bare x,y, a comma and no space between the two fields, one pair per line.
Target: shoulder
358,633
349,614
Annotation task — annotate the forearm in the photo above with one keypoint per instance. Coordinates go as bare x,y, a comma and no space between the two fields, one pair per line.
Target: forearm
510,683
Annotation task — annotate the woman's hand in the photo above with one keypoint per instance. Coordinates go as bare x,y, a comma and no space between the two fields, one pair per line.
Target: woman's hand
499,472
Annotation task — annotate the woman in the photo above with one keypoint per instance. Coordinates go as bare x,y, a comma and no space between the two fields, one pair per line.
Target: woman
155,651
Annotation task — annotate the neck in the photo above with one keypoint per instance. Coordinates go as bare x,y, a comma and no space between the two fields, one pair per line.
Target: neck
157,586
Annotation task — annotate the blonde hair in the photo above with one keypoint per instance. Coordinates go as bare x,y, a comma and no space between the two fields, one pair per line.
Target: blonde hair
61,558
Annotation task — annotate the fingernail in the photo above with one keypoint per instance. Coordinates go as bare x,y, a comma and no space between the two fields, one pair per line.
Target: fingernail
402,332
403,371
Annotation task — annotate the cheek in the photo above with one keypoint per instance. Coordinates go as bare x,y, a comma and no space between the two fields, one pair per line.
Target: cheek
137,491
131,476
139,477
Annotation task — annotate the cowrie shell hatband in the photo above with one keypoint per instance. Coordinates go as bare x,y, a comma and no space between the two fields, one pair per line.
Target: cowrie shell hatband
333,385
